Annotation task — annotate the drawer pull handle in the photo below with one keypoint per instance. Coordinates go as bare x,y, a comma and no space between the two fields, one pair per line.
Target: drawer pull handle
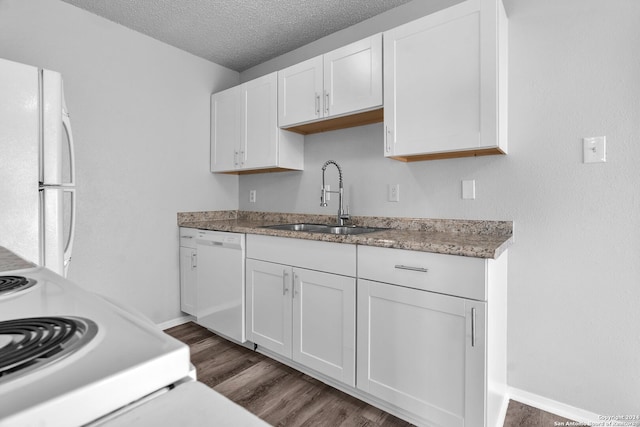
408,267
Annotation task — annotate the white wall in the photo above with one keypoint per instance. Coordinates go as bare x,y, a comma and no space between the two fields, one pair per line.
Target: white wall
574,270
140,115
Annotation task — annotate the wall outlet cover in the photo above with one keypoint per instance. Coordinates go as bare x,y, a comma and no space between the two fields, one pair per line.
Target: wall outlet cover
394,193
469,189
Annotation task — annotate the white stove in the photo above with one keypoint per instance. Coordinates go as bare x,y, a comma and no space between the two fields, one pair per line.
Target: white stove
105,365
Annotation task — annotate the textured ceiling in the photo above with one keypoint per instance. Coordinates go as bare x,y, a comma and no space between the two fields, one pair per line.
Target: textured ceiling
237,34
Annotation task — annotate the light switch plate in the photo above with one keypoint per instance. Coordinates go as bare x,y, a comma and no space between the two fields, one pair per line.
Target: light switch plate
469,189
252,196
594,149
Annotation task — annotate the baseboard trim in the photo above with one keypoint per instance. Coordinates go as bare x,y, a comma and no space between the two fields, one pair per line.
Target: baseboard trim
175,322
553,406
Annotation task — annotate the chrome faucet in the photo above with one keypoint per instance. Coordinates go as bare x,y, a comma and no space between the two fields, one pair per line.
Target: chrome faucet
342,214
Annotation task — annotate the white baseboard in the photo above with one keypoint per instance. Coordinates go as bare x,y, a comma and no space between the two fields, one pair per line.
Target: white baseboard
555,407
175,322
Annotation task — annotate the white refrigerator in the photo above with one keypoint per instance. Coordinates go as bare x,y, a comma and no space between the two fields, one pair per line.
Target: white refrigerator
37,168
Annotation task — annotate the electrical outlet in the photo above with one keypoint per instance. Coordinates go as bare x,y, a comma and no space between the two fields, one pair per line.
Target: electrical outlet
252,196
469,189
394,193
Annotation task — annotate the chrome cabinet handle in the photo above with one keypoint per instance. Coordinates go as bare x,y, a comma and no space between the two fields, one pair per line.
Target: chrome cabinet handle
408,267
194,260
295,280
473,327
317,104
235,158
387,145
285,274
326,103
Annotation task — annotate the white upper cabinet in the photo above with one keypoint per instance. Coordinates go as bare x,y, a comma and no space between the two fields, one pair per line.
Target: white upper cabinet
445,84
225,129
245,136
301,92
342,82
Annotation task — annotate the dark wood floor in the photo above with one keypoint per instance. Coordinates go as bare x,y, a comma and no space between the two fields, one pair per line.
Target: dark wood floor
283,396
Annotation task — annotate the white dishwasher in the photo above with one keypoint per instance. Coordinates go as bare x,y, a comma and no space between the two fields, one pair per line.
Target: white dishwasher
220,300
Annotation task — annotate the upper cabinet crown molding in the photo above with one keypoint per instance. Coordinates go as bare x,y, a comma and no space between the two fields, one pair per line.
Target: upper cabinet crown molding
245,137
445,84
339,89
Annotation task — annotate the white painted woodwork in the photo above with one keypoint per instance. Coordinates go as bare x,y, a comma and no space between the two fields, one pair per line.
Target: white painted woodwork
300,92
225,129
344,81
188,280
447,274
188,271
305,315
330,257
245,135
258,133
416,351
445,81
324,324
353,77
269,316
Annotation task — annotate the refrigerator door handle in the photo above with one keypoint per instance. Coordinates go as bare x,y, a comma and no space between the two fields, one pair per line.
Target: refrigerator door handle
68,247
72,159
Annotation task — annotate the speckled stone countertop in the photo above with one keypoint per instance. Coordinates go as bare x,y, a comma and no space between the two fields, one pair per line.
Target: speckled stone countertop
472,238
10,261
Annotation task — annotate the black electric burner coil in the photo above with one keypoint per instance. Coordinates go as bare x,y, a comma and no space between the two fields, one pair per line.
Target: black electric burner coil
27,342
13,284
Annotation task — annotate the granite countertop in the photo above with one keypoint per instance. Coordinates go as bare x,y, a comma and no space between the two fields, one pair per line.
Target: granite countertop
10,261
472,238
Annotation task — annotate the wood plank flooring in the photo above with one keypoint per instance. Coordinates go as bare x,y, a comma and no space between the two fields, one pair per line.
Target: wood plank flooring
274,392
284,397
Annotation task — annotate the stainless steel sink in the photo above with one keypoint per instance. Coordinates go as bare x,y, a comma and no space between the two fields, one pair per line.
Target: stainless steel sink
298,227
323,228
348,229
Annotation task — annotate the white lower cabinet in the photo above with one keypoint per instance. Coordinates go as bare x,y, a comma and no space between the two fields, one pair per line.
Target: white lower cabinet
269,305
422,352
432,335
188,271
305,315
429,336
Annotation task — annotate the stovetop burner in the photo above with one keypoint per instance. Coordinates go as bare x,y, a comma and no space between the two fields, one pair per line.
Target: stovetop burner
32,343
13,284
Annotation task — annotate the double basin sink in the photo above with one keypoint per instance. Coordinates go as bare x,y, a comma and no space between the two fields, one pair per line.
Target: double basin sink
323,228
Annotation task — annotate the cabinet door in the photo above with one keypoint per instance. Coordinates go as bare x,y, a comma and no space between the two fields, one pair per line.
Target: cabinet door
269,305
353,77
423,352
440,81
188,280
300,92
260,123
225,130
324,323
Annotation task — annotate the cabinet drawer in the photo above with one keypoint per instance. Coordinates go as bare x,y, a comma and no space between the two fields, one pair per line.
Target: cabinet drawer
446,274
337,258
188,237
